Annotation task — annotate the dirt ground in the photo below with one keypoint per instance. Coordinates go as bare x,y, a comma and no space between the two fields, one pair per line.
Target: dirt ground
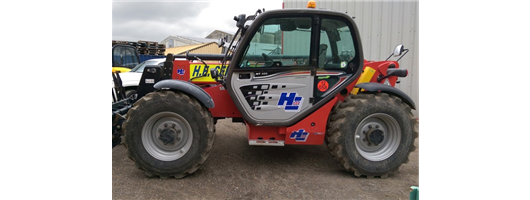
236,170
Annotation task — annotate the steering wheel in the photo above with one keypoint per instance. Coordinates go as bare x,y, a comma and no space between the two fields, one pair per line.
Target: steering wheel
267,58
332,60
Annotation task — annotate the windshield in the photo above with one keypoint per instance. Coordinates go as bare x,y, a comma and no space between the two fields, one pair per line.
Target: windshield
280,41
140,67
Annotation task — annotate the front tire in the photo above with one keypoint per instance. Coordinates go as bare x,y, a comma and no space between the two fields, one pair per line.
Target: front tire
371,134
168,134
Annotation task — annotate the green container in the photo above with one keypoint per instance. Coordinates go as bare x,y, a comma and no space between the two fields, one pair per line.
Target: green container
414,193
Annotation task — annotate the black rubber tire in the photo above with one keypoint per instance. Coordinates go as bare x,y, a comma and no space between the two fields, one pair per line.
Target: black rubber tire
348,115
197,118
131,92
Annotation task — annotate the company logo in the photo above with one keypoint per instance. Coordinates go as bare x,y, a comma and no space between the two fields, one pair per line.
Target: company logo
181,71
299,135
202,70
290,101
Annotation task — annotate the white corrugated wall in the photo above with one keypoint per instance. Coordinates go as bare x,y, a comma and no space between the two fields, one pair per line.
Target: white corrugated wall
383,25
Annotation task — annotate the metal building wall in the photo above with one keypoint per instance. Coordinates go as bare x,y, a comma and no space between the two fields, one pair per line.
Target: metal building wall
383,25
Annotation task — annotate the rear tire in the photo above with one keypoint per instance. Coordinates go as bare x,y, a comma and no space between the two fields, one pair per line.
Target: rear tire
168,134
371,134
132,94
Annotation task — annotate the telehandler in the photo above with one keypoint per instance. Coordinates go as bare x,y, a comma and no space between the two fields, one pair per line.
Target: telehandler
293,77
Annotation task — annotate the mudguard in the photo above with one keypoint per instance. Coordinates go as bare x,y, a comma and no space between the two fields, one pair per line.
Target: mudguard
378,87
188,88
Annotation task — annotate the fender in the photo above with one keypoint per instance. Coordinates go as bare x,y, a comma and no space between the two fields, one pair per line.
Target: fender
188,88
379,87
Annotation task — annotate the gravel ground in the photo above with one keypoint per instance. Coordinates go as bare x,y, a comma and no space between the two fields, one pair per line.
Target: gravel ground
236,170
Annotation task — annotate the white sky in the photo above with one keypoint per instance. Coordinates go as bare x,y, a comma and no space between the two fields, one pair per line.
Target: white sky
154,21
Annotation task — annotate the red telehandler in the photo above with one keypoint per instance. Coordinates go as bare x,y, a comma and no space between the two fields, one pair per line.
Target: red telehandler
293,77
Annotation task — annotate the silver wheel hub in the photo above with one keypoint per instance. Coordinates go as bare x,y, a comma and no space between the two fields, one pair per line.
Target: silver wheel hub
374,136
377,137
167,136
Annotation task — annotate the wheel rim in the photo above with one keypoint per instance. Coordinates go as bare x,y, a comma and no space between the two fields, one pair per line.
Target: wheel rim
377,137
167,136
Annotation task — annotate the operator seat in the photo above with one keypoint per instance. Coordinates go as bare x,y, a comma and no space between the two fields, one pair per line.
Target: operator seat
322,55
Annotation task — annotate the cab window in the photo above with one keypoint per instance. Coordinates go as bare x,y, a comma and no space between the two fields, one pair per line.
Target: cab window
279,42
336,48
124,56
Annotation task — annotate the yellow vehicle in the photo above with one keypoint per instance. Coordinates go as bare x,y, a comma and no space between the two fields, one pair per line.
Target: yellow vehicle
124,58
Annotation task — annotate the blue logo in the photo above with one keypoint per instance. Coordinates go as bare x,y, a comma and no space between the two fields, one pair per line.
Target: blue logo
181,71
291,102
299,136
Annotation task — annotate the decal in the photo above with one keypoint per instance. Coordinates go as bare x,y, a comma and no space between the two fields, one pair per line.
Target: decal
323,85
307,73
149,80
290,101
201,70
261,74
299,135
181,71
328,73
256,95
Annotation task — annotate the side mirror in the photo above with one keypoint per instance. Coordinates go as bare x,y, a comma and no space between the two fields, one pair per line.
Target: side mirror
221,42
240,21
398,50
214,73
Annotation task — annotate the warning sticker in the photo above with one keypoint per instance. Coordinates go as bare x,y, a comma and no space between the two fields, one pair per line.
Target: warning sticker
323,85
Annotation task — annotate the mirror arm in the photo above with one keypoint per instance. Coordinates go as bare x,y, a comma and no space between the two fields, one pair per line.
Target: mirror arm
398,51
205,65
405,51
389,57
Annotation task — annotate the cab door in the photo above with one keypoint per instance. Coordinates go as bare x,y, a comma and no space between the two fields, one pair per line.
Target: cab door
274,79
338,57
289,65
124,58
